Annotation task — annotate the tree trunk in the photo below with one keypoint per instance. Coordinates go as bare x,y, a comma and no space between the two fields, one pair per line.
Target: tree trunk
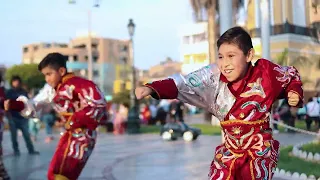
212,32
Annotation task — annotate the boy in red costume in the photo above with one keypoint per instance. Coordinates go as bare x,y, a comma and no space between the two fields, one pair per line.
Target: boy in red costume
240,93
81,106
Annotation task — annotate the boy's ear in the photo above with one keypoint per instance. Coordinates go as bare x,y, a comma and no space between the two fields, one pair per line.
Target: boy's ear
250,55
62,71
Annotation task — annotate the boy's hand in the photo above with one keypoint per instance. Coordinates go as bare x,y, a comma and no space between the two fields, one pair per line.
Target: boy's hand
6,104
142,92
293,99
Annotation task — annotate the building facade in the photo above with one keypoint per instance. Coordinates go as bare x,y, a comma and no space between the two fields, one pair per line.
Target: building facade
295,29
194,51
107,54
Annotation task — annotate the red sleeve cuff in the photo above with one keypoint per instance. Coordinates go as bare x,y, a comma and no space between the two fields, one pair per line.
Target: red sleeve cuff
163,89
296,88
16,105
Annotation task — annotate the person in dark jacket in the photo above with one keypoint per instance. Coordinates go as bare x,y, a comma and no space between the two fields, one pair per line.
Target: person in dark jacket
16,120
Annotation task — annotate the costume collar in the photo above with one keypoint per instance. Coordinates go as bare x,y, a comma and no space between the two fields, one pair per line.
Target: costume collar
64,79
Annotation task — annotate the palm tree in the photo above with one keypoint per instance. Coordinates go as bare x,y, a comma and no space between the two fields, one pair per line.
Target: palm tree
207,11
302,63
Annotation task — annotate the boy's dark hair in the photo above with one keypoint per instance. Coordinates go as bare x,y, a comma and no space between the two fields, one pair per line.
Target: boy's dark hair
238,36
15,78
54,60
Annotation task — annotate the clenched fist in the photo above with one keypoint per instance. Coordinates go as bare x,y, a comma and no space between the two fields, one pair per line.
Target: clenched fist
293,99
142,92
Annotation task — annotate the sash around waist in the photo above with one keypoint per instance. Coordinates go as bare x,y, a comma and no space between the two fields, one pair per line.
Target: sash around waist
242,135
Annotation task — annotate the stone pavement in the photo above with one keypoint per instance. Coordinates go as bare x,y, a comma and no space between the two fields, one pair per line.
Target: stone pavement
135,157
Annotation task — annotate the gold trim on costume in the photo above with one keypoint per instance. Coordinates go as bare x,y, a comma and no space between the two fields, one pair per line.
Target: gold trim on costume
60,177
231,166
230,122
65,153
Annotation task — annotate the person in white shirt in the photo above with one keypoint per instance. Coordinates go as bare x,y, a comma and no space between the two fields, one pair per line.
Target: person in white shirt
313,112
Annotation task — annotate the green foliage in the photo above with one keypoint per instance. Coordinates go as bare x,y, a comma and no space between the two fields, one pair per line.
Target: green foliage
300,63
312,147
282,58
122,97
295,164
206,129
29,74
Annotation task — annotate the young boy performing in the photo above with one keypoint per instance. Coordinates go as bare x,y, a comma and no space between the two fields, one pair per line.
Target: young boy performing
240,92
81,106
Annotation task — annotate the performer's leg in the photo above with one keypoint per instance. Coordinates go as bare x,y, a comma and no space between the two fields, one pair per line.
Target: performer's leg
70,157
260,164
223,165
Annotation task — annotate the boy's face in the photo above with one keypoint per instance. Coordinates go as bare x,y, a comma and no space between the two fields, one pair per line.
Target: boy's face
232,62
16,84
52,76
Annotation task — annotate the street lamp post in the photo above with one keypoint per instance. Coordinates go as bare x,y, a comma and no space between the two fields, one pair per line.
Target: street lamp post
133,123
89,43
131,28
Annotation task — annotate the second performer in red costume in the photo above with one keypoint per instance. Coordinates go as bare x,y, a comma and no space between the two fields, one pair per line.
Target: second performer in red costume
240,92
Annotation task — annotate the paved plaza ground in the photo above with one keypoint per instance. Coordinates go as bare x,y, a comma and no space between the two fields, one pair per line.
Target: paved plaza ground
129,157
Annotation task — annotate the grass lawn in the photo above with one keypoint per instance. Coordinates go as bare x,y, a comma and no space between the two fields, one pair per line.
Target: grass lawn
301,124
312,147
206,129
295,164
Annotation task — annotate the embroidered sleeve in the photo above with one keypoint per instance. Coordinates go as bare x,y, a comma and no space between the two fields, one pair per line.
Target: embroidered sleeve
285,79
92,107
45,95
194,88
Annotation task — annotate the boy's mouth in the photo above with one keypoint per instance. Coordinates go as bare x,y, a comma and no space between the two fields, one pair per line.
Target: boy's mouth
228,71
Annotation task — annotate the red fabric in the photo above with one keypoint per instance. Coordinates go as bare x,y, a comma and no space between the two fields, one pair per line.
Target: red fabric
81,106
87,106
163,89
65,161
244,166
2,98
16,105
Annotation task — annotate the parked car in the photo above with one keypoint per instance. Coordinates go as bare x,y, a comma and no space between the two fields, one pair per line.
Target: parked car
174,130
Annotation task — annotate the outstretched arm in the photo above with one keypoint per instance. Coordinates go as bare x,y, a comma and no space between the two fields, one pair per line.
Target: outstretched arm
192,88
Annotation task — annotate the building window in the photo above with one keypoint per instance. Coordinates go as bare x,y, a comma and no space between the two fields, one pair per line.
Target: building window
25,50
95,73
124,48
82,46
186,39
75,58
124,60
199,37
123,85
47,45
94,46
86,58
35,48
95,58
63,45
66,58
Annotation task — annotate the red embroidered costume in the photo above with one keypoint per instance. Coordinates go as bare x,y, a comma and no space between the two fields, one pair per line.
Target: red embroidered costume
249,150
81,106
